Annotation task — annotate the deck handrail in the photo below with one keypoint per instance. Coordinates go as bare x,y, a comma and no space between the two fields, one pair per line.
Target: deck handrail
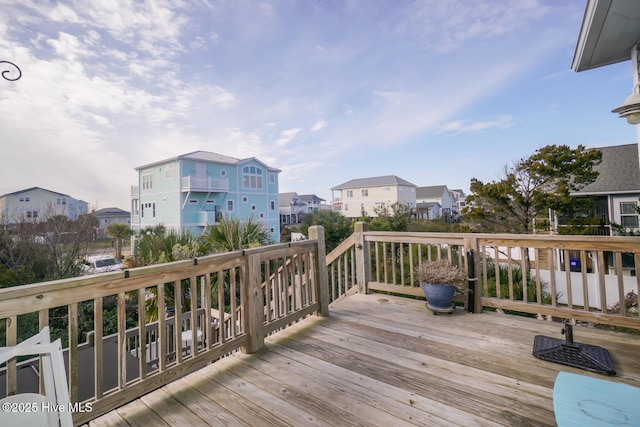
224,302
576,277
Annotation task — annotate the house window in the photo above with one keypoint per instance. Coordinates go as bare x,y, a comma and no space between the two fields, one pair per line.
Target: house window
147,180
273,205
148,207
229,205
223,173
364,192
272,178
245,199
193,201
252,177
253,208
349,193
261,215
361,207
169,171
272,230
346,207
628,214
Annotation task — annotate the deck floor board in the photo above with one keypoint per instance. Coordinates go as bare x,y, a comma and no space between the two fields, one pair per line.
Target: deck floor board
382,360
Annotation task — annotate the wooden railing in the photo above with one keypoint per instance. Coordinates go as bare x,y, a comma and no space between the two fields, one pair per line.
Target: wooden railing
172,318
574,277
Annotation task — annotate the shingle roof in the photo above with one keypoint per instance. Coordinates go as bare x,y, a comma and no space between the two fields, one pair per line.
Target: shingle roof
376,181
26,190
206,156
111,212
431,192
619,171
311,198
284,199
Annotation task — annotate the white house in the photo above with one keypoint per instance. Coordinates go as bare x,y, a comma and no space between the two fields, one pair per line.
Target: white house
193,191
35,204
364,195
435,201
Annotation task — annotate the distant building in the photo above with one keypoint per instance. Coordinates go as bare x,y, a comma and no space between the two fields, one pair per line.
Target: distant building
434,202
460,199
108,216
193,191
364,195
293,207
36,204
314,202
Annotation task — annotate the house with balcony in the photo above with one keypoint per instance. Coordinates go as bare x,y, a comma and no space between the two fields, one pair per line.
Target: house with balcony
434,202
363,196
192,192
293,206
37,204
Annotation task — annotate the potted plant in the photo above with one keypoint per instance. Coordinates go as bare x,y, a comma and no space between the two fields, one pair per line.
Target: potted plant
439,281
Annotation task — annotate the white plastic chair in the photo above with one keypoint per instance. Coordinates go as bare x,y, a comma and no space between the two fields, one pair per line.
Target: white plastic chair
34,409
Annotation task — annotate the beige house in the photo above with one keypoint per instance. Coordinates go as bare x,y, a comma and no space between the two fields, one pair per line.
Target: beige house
366,195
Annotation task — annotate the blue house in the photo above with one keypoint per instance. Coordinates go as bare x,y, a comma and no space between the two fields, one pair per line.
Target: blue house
193,191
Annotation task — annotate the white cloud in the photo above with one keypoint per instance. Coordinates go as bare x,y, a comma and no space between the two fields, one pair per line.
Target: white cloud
458,126
319,125
287,136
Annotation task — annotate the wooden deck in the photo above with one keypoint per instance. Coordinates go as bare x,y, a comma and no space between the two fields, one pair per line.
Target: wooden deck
381,360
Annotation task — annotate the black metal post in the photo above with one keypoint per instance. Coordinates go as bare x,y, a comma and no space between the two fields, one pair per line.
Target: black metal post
471,282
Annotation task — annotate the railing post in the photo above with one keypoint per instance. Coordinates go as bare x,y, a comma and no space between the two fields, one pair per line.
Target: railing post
474,304
363,258
319,265
253,304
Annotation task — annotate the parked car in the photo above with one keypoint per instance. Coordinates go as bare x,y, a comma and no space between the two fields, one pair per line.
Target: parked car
100,264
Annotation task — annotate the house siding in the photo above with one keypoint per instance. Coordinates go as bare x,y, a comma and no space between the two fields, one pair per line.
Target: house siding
192,194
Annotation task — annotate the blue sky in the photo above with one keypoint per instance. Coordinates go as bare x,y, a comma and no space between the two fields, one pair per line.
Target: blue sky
435,92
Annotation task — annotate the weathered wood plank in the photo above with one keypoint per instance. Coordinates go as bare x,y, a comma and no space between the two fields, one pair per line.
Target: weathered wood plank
385,360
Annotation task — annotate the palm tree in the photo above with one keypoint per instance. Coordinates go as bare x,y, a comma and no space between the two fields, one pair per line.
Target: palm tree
234,235
119,231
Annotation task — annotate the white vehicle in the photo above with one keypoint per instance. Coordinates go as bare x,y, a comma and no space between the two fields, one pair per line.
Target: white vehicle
100,264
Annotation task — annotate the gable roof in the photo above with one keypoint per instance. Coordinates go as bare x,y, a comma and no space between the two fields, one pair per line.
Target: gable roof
311,198
376,181
111,212
15,193
206,156
284,199
619,171
431,192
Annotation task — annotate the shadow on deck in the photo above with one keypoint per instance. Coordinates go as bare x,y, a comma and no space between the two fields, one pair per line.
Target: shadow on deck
380,360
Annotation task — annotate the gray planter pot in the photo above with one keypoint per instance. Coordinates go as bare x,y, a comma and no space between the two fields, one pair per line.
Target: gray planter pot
439,296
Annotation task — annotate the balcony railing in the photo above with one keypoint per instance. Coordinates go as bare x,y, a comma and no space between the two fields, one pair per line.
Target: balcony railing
190,183
225,302
588,278
232,301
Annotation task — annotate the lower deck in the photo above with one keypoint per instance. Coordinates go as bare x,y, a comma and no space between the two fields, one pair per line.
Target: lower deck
381,360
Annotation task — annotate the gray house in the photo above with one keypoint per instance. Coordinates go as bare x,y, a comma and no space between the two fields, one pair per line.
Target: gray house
617,188
108,216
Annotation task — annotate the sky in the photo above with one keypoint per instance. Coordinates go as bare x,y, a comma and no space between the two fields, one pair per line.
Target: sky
436,92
